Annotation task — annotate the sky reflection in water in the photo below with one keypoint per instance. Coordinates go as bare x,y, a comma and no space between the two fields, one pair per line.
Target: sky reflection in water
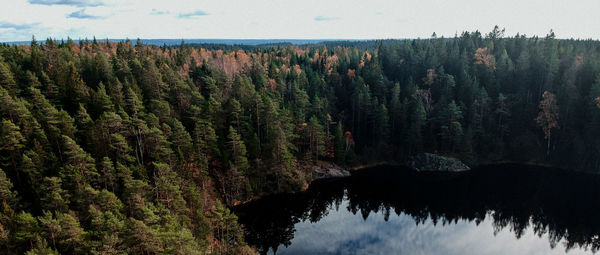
504,209
341,232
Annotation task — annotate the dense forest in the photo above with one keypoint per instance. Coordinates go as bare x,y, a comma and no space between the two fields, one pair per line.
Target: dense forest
126,148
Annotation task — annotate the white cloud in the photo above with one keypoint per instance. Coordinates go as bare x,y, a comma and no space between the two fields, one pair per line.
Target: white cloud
78,3
325,18
193,14
307,19
81,14
8,25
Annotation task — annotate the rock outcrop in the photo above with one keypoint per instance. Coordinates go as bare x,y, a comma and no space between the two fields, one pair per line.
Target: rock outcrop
434,162
324,170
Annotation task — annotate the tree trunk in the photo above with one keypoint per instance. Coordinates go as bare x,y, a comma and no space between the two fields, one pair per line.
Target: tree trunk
59,152
548,148
53,241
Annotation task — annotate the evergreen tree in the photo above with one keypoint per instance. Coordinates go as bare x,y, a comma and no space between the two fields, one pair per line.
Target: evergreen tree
79,167
340,148
451,130
381,127
205,144
316,138
52,196
26,229
8,196
117,147
7,80
12,143
237,151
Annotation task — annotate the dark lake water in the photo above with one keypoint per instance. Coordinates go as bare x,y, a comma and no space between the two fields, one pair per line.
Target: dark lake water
503,209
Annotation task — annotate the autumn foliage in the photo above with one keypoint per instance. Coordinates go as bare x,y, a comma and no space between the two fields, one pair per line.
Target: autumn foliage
483,56
109,148
547,119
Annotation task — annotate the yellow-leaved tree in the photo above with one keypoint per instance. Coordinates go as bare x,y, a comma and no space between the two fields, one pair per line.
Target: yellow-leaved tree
547,119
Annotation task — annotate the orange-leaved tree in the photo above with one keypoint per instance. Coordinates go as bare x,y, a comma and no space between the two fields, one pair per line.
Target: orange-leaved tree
547,119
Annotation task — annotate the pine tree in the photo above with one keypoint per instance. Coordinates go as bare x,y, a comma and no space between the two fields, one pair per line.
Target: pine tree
167,187
157,145
451,130
31,165
11,142
226,228
7,80
417,119
381,128
395,111
205,144
85,126
50,227
41,248
8,196
181,141
26,229
52,196
316,138
108,175
72,234
102,100
79,167
237,151
340,152
133,103
120,149
75,90
141,239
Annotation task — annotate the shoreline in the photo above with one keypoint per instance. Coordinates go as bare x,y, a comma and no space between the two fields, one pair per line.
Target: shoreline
360,167
374,164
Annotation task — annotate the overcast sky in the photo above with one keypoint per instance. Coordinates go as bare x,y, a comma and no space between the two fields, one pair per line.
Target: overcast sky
298,19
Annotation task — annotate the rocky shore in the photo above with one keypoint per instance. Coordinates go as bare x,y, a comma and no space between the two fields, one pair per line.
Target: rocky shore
434,162
325,170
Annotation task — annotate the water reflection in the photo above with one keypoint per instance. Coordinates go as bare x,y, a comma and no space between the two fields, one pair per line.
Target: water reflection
506,209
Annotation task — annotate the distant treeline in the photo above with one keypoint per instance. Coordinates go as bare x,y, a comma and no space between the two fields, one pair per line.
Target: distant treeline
225,42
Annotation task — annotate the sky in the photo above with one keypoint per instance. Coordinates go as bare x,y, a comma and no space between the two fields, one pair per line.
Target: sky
298,19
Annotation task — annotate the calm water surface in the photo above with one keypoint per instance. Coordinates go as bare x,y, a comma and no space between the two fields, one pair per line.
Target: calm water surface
504,209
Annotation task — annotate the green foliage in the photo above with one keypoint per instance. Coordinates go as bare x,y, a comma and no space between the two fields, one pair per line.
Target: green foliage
7,79
115,149
7,195
451,130
52,196
41,248
226,228
316,138
237,151
167,187
26,229
340,148
71,235
11,142
205,144
141,239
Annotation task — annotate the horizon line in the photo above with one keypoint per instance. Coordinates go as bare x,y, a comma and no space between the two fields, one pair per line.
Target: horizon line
282,40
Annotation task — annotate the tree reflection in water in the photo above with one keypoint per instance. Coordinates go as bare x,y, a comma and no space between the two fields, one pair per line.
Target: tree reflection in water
562,204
